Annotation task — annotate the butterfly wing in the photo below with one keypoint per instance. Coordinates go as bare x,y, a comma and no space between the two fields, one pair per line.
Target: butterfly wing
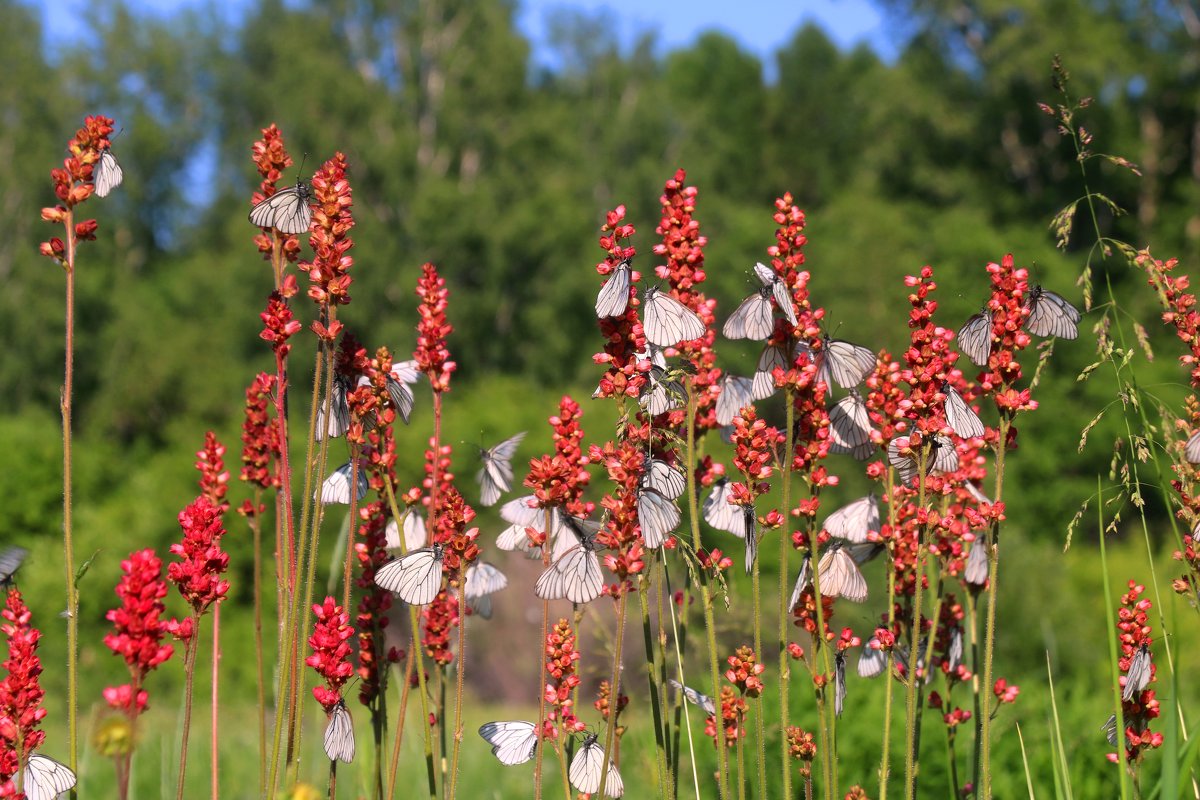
1191,450
840,576
802,582
839,682
497,475
753,319
512,742
695,698
850,427
518,511
854,521
576,576
750,532
514,537
660,395
1051,315
718,511
976,570
108,174
665,479
288,210
945,454
903,464
763,385
339,413
960,416
483,579
736,393
613,298
668,322
401,397
847,363
871,661
657,515
586,768
415,578
336,488
339,734
45,778
10,561
975,338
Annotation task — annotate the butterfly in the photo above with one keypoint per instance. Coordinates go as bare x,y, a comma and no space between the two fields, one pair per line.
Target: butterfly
658,516
613,298
718,511
287,211
45,778
416,578
976,493
661,393
666,321
736,393
754,318
1139,673
960,416
850,427
496,475
975,337
399,380
1051,315
975,572
854,521
339,734
1191,450
108,174
846,363
336,488
414,532
872,661
1110,730
663,478
840,576
779,290
771,357
10,561
839,682
750,533
482,581
954,652
575,575
802,582
695,698
942,457
586,769
512,742
339,410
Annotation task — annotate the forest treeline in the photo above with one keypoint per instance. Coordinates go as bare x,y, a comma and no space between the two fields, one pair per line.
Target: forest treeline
464,153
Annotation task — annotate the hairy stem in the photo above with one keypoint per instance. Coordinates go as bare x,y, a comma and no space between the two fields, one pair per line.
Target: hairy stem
984,728
656,700
614,694
884,763
189,674
785,613
215,732
541,742
65,399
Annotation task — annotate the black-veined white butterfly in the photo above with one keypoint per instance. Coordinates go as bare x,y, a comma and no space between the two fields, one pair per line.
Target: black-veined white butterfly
495,477
482,581
661,394
414,532
954,653
975,572
339,734
942,457
839,682
666,321
515,537
415,578
871,661
976,493
658,516
575,575
846,363
750,528
771,357
336,488
736,393
10,561
1138,675
802,582
1109,729
975,338
1051,315
863,551
399,392
108,174
663,478
613,297
513,742
850,427
961,417
339,411
855,521
695,698
45,778
779,290
287,211
1191,450
718,511
840,576
753,319
522,511
588,765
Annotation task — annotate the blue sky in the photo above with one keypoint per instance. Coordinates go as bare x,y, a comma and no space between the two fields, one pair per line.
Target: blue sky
761,26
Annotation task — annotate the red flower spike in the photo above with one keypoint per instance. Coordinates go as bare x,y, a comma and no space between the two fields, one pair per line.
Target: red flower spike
260,439
330,652
561,665
214,479
21,693
625,374
559,480
431,354
328,272
138,628
197,575
73,182
271,159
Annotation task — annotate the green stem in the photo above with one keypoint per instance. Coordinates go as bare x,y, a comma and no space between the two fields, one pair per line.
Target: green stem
653,658
759,711
910,689
614,695
458,689
541,725
984,728
785,613
256,529
679,633
214,733
885,767
826,729
189,673
394,768
65,408
741,764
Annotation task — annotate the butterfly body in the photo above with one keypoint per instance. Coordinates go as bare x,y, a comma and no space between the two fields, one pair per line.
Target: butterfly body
288,211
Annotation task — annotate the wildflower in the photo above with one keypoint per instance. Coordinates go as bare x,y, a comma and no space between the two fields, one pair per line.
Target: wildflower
196,576
279,324
431,354
138,629
603,704
271,159
733,717
1139,705
744,671
73,185
622,533
625,374
803,748
328,272
330,651
21,693
214,479
560,479
260,439
561,665
440,618
1010,287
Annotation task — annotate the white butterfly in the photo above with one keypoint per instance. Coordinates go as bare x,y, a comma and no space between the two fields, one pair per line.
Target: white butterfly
695,698
771,357
736,393
400,394
954,652
850,427
1138,675
10,561
416,578
1051,315
660,394
975,338
1110,730
514,537
976,570
845,363
658,516
414,532
336,488
666,321
1191,450
803,580
753,319
482,581
288,210
45,778
779,290
840,576
871,661
854,521
339,411
108,174
586,768
613,298
750,533
839,682
960,416
976,494
522,511
665,479
576,574
339,734
512,742
943,457
496,475
718,511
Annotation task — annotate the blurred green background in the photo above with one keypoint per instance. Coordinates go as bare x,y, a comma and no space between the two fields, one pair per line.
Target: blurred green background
467,152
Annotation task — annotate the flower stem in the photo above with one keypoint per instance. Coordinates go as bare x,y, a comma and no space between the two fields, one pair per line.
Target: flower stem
785,670
562,765
983,730
348,567
614,694
826,741
759,710
189,673
541,742
910,689
458,689
884,765
404,691
68,391
256,529
653,658
215,733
